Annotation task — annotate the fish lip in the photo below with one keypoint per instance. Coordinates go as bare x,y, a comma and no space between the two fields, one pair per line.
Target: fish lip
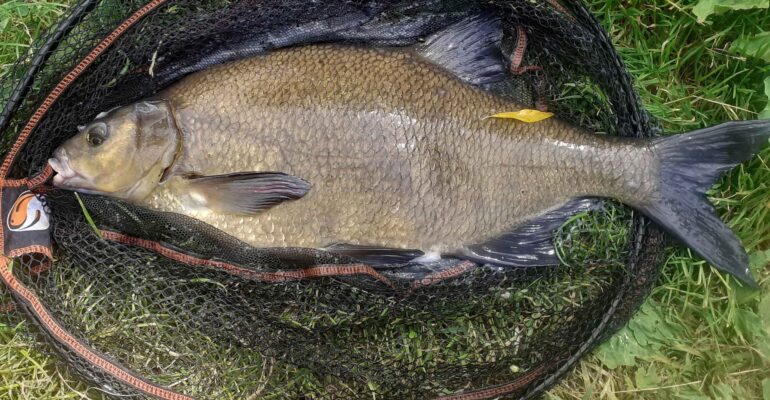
65,175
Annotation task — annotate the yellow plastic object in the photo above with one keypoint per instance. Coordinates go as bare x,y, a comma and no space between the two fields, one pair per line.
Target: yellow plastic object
525,115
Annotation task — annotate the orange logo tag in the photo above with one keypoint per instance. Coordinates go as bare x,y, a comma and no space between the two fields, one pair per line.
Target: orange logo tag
27,214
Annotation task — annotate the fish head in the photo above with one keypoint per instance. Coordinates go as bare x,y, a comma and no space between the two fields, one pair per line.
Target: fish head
123,153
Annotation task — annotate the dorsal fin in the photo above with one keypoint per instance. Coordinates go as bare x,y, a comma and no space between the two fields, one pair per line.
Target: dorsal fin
469,49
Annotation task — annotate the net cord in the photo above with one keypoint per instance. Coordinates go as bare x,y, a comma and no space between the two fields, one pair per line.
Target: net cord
62,86
640,125
47,321
24,295
599,332
327,270
54,328
41,56
595,338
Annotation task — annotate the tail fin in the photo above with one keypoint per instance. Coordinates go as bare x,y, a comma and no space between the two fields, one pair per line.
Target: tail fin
689,165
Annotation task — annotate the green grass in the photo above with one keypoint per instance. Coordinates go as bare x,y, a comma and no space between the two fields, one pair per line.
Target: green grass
21,22
699,335
27,374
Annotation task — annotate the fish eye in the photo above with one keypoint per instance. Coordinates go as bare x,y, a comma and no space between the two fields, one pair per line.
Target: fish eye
96,135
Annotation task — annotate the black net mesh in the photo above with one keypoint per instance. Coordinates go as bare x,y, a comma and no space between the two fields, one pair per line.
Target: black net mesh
259,331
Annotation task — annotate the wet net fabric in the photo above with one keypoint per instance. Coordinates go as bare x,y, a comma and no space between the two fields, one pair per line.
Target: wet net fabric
176,303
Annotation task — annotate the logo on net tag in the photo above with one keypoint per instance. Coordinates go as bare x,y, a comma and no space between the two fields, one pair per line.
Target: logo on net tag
27,214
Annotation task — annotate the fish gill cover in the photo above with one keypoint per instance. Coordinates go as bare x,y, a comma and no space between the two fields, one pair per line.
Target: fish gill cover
148,304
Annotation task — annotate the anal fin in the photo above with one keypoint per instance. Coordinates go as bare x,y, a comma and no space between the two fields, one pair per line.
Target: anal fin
530,244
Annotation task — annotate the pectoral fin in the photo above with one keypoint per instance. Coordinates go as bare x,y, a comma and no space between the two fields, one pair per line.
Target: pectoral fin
245,192
530,244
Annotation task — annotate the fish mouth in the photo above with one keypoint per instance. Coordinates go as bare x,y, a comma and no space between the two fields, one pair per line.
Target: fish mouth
66,177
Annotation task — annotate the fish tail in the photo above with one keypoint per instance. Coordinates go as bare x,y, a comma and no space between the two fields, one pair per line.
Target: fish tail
689,166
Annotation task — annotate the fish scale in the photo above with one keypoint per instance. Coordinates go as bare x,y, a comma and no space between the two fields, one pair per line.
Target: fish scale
331,118
381,153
